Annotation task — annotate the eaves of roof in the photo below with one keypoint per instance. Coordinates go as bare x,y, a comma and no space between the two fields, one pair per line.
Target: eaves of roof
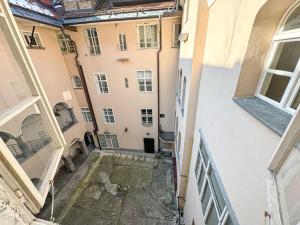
34,16
104,16
120,16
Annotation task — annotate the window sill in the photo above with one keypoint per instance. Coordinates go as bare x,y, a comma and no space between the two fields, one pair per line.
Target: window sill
40,48
271,116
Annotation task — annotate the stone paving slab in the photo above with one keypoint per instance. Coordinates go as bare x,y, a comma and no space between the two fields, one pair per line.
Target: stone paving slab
144,194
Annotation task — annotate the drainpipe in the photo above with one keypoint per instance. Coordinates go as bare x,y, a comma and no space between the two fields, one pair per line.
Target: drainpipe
86,91
158,92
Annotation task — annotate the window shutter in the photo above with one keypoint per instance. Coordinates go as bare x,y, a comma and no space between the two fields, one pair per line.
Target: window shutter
114,140
96,76
102,140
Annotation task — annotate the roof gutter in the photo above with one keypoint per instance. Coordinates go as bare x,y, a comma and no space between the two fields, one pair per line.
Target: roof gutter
86,91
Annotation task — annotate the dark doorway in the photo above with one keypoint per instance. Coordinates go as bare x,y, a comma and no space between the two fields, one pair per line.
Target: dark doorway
149,145
89,140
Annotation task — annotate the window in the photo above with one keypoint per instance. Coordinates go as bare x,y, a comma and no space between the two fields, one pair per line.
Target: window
147,36
183,96
92,41
109,115
288,178
65,43
175,34
212,200
101,83
122,42
87,116
147,118
32,41
76,82
179,86
29,134
145,81
280,84
126,83
108,140
187,10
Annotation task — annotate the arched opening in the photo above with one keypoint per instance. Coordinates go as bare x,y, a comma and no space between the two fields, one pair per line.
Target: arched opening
15,145
64,115
35,133
265,26
89,140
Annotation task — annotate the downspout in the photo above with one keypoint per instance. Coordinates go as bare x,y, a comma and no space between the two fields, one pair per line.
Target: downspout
158,75
86,91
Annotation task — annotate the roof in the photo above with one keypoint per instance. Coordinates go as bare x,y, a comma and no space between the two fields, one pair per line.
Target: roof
42,11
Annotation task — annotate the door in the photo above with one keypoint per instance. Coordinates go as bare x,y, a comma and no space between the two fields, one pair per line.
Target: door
149,145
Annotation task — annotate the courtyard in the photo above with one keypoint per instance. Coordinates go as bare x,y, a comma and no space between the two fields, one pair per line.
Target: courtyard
113,188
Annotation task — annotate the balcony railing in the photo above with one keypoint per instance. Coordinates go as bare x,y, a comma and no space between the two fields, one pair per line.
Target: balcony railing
29,148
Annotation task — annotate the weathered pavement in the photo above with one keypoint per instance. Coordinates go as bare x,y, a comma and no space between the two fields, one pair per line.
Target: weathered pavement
123,189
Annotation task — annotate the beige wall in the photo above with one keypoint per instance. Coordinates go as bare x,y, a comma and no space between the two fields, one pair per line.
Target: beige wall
240,145
190,62
127,102
55,78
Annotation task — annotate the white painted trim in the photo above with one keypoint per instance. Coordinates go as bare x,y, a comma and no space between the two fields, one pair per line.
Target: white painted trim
210,2
17,109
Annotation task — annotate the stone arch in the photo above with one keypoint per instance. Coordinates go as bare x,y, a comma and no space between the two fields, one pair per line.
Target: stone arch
15,145
64,115
265,25
35,132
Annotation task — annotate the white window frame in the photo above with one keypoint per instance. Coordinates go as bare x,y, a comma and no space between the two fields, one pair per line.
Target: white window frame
109,140
153,44
109,117
76,85
86,113
200,166
187,11
122,42
175,40
65,41
147,115
294,83
36,37
16,177
100,83
94,48
144,80
286,145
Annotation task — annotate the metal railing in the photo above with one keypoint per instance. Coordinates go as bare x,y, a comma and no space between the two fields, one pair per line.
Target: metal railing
28,148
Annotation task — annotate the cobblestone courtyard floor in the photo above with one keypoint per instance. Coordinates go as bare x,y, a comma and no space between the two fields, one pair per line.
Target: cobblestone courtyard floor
122,189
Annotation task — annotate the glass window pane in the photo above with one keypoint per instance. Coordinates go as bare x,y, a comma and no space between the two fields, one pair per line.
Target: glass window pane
197,163
286,56
288,180
212,217
200,179
274,86
13,87
206,196
293,22
204,152
217,191
296,100
29,141
228,221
